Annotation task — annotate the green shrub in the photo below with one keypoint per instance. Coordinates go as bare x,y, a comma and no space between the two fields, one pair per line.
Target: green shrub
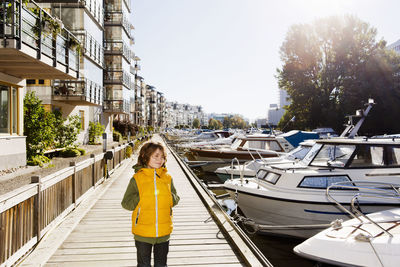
81,150
70,152
95,131
129,151
66,130
117,136
38,160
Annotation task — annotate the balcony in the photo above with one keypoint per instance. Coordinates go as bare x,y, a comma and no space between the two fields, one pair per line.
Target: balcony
93,7
116,76
35,45
114,47
118,18
91,48
116,106
80,93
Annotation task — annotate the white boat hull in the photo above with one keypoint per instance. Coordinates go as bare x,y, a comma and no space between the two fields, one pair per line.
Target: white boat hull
351,249
282,212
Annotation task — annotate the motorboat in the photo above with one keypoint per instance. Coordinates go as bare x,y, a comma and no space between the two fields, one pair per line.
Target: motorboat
221,141
250,168
294,194
366,240
247,148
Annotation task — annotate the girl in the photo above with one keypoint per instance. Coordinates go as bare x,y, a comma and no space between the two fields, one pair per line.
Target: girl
151,196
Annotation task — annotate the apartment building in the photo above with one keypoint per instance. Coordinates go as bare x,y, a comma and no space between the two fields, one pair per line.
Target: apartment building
119,78
29,49
83,96
182,114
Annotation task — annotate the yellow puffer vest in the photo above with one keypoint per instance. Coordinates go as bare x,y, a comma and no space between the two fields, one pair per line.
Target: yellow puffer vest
152,216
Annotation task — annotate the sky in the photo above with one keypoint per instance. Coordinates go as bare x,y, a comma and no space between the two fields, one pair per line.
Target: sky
223,54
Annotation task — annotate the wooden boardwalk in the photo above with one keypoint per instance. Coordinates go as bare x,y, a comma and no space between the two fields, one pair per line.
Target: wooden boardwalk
103,236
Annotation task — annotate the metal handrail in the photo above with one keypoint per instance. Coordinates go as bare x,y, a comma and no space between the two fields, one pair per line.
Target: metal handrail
375,192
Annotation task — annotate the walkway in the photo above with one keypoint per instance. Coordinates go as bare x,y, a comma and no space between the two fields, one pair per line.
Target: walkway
103,238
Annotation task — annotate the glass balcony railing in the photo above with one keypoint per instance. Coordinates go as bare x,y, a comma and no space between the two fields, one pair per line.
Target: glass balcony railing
82,92
117,47
111,5
91,47
29,25
116,106
116,76
96,9
118,18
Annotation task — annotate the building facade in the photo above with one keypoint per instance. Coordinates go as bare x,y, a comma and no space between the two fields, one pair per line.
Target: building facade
276,111
28,52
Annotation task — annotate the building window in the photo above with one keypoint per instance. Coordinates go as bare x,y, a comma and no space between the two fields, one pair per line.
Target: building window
8,110
82,116
30,81
4,110
14,113
41,81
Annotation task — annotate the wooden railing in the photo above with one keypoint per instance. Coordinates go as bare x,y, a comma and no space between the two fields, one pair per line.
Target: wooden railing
28,213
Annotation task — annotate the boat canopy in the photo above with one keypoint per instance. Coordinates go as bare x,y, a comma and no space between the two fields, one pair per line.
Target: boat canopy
295,137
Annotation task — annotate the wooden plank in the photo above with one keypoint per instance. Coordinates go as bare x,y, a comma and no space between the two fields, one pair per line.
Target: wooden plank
131,248
102,259
132,255
130,263
15,197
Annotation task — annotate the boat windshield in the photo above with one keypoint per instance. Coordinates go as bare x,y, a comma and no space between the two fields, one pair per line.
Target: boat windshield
311,154
333,155
298,153
236,144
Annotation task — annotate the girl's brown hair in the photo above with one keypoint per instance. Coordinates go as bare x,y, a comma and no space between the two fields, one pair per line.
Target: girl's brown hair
147,150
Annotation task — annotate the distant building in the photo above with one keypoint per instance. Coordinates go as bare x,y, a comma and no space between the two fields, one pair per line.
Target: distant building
395,46
274,114
183,114
261,123
275,111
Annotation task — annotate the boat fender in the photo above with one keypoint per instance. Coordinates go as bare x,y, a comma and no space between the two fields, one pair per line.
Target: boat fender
337,224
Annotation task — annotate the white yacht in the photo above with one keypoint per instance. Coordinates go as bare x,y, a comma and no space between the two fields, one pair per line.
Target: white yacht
362,241
294,194
250,168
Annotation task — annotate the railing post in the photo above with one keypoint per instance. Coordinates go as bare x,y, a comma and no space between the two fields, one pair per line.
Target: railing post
37,214
67,59
19,43
73,164
93,171
39,55
54,51
113,159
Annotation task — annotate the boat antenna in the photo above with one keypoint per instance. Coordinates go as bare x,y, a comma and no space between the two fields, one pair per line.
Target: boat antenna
352,130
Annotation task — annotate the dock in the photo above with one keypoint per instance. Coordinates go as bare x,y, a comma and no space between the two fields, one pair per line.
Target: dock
98,231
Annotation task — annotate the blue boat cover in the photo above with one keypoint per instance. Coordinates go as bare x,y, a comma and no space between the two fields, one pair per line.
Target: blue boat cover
295,137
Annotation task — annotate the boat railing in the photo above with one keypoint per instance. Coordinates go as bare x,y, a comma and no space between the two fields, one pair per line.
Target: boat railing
240,171
368,190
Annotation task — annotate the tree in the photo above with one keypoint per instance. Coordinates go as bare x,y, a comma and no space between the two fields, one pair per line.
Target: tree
196,123
214,124
331,67
38,126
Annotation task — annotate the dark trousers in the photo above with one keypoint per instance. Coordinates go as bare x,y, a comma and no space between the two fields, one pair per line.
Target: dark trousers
144,254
